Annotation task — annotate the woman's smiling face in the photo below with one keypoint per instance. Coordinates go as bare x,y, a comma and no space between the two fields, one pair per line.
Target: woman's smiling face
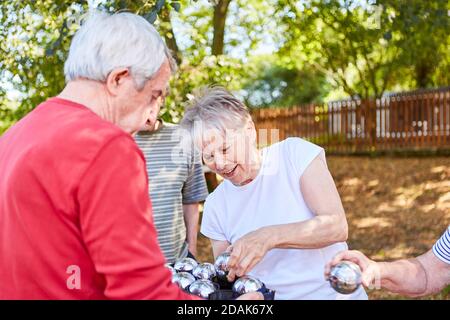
230,153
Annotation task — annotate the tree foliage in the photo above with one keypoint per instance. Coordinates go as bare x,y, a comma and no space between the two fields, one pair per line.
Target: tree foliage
365,47
270,52
277,84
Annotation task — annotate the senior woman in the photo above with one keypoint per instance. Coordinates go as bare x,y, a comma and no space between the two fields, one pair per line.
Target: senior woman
278,211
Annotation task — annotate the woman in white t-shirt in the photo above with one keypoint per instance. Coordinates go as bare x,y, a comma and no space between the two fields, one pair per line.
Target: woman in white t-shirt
278,211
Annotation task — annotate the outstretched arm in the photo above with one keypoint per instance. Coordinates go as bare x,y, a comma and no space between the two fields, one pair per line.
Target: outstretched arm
419,276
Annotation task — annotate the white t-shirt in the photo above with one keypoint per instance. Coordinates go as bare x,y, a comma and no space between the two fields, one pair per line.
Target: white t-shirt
274,197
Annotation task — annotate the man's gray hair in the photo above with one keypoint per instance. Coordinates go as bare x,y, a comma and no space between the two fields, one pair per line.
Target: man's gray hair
121,40
214,108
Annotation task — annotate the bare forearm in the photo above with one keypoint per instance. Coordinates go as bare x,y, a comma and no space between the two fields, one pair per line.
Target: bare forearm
191,216
419,276
329,224
407,277
318,232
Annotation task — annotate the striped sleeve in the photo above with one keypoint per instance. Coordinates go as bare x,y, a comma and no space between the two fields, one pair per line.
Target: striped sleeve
442,247
195,189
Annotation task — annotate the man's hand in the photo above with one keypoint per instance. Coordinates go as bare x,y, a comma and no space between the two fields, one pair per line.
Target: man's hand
251,296
370,269
246,252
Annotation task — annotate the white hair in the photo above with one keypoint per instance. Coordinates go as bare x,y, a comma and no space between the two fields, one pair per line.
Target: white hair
213,108
121,40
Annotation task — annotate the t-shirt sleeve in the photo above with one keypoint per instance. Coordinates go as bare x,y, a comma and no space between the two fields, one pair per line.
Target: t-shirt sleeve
195,189
211,225
301,153
441,248
117,225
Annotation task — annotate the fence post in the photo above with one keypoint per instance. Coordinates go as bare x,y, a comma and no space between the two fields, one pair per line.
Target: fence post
370,125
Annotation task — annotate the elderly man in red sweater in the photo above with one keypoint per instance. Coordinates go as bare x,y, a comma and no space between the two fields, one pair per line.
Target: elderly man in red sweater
75,218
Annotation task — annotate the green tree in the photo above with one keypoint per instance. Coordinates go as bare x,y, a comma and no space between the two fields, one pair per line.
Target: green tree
367,47
274,84
37,36
35,39
344,40
206,46
33,47
282,52
424,39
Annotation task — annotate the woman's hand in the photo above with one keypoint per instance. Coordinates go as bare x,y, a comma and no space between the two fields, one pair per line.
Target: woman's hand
246,252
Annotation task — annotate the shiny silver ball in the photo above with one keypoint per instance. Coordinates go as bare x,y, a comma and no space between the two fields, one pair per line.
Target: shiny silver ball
205,271
203,288
221,264
185,264
247,284
172,269
345,277
183,279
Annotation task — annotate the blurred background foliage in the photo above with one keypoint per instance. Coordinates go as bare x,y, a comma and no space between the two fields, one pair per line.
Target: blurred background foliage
271,53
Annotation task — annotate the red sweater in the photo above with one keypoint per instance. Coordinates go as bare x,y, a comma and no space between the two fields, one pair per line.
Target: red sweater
75,218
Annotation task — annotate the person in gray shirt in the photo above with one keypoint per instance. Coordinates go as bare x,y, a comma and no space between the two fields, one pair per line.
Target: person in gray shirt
176,186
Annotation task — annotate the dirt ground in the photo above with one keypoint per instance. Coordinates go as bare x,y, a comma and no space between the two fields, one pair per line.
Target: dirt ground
396,207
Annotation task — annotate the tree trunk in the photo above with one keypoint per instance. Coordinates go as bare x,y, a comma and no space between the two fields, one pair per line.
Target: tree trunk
220,16
423,73
169,36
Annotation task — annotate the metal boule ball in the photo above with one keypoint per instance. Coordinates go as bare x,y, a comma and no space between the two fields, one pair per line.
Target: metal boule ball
345,277
183,279
205,271
221,264
247,284
172,269
185,264
203,288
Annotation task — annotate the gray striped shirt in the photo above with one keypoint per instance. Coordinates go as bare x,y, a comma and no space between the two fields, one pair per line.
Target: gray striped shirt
175,178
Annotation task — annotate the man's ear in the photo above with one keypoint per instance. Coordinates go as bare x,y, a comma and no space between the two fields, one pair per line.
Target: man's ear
116,78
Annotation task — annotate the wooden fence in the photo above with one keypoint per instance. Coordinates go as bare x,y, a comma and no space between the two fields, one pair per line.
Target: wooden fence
416,120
